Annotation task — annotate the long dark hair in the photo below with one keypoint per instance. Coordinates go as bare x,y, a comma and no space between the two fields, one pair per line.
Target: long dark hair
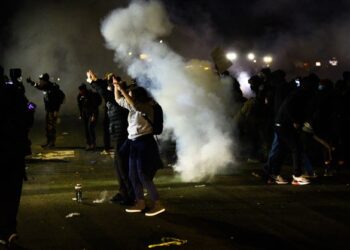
140,94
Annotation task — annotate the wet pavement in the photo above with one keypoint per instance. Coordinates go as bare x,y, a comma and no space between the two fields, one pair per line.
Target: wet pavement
235,210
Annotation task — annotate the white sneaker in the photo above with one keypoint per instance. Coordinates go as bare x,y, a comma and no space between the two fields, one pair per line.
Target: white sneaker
157,209
300,180
139,206
279,180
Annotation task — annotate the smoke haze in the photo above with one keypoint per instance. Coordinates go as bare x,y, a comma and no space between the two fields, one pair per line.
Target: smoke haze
193,99
63,38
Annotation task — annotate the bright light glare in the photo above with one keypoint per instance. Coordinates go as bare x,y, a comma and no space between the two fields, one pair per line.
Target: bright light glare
231,56
143,56
267,59
251,56
318,64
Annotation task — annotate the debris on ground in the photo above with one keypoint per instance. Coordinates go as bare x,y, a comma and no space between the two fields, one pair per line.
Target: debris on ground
54,155
103,197
72,215
199,186
168,241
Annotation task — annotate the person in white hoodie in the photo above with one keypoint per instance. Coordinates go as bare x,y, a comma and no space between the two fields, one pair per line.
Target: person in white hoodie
144,158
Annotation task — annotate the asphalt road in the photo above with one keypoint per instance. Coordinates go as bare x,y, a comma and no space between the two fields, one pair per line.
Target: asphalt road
235,210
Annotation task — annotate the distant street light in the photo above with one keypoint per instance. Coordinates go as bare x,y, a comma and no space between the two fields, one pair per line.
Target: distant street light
143,56
232,56
267,59
251,56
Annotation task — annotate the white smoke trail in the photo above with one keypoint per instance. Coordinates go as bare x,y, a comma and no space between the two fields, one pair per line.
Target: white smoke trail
193,98
243,78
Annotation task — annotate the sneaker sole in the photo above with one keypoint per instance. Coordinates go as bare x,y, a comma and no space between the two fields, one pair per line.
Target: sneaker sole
155,213
296,183
133,211
281,183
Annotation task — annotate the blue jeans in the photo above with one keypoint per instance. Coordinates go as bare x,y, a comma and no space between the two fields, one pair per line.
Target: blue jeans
143,161
284,140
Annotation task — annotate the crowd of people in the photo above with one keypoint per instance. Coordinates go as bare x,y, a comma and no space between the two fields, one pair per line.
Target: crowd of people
307,117
131,125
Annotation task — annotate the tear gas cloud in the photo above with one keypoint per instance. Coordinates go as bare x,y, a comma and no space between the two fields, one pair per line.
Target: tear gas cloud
193,99
60,38
243,78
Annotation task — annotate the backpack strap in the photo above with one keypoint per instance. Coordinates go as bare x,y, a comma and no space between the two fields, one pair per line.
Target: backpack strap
150,122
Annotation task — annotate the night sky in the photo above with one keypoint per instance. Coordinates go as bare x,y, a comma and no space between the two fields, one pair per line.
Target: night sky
291,31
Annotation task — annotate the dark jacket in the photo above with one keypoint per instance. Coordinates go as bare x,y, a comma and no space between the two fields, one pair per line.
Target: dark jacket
15,121
88,104
118,116
293,109
52,96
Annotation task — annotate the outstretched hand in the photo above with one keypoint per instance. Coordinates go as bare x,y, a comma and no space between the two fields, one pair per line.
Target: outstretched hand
91,76
115,82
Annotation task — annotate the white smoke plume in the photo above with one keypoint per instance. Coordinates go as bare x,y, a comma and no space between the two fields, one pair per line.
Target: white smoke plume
243,78
195,102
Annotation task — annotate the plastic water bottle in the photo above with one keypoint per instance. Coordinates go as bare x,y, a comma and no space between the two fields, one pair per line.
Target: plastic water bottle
78,193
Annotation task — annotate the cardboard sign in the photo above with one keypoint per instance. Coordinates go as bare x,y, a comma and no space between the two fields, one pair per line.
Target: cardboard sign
219,58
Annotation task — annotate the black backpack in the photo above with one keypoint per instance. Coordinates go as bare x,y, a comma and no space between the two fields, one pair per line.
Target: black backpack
157,123
59,94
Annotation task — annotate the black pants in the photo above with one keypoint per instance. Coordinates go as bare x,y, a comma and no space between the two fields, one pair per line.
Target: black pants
11,180
144,161
106,134
51,124
287,139
90,130
121,164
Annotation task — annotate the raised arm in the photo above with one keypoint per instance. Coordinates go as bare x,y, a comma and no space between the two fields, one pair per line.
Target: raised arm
91,76
120,93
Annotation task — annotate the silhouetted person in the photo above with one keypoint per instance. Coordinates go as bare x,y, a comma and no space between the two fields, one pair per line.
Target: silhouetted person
15,120
144,158
118,124
53,99
288,123
251,123
88,103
